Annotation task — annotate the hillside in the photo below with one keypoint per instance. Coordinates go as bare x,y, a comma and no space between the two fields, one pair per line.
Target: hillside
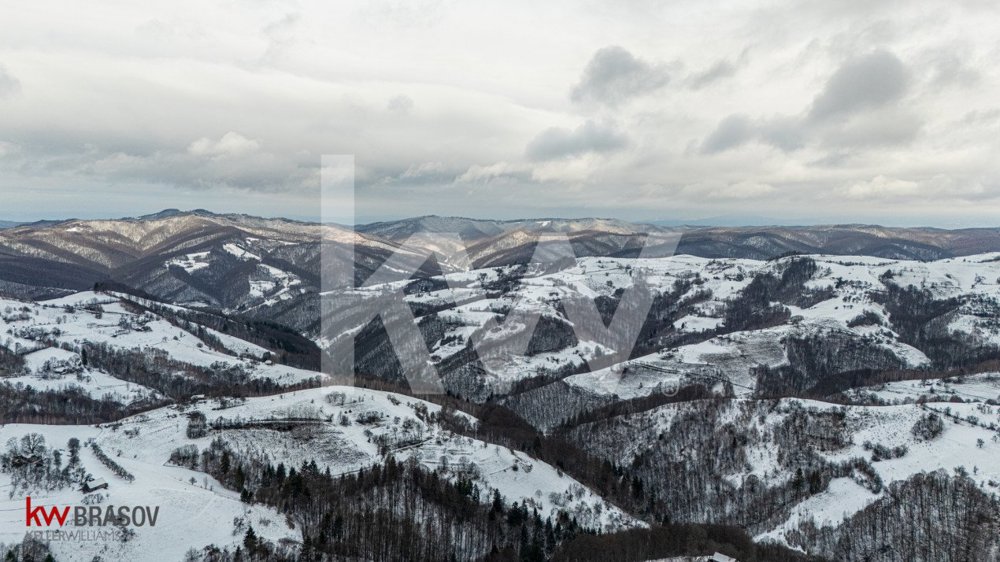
347,429
762,407
271,268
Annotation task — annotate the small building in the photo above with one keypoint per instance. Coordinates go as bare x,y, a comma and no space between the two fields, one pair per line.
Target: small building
94,485
719,557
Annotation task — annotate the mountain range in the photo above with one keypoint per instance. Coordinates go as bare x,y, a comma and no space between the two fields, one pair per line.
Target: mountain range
74,254
791,393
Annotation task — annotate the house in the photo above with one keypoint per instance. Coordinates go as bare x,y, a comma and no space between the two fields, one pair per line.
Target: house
94,485
719,557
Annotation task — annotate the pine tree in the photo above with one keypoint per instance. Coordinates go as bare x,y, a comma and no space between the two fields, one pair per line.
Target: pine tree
250,539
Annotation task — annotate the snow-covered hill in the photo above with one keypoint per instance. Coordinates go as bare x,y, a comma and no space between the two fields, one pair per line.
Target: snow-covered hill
800,399
342,429
842,315
785,468
53,337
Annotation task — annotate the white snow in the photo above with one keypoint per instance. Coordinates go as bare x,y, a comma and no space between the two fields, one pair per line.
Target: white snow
240,252
190,514
190,262
143,332
203,512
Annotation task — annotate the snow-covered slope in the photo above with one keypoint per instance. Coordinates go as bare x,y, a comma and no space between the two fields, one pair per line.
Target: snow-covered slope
55,330
194,509
969,444
829,461
842,299
340,428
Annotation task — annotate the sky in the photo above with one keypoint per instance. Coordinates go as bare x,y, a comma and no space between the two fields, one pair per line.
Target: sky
796,112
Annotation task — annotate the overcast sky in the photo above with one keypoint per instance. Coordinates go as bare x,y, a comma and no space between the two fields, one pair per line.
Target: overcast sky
821,111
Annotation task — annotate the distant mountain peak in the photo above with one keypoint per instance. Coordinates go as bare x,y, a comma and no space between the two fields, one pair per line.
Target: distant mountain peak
170,213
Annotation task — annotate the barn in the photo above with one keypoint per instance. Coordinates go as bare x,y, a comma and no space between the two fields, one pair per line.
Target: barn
94,485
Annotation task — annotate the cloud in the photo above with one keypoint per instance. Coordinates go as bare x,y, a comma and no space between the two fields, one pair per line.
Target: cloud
230,145
882,187
868,82
424,170
614,75
556,142
785,133
855,109
890,127
980,117
230,161
885,188
718,71
9,85
440,119
425,173
733,190
500,171
731,132
209,165
948,68
281,36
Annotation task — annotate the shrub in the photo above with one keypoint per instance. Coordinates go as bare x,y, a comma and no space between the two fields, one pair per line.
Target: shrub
928,427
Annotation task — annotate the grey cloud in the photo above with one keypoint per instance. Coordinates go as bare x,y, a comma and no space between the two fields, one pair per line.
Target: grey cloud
980,117
718,71
614,75
256,171
731,132
155,105
948,69
9,85
884,128
427,173
867,82
853,110
786,133
500,172
229,160
558,142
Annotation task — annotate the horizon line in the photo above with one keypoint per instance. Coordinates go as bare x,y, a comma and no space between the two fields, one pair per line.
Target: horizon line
725,221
